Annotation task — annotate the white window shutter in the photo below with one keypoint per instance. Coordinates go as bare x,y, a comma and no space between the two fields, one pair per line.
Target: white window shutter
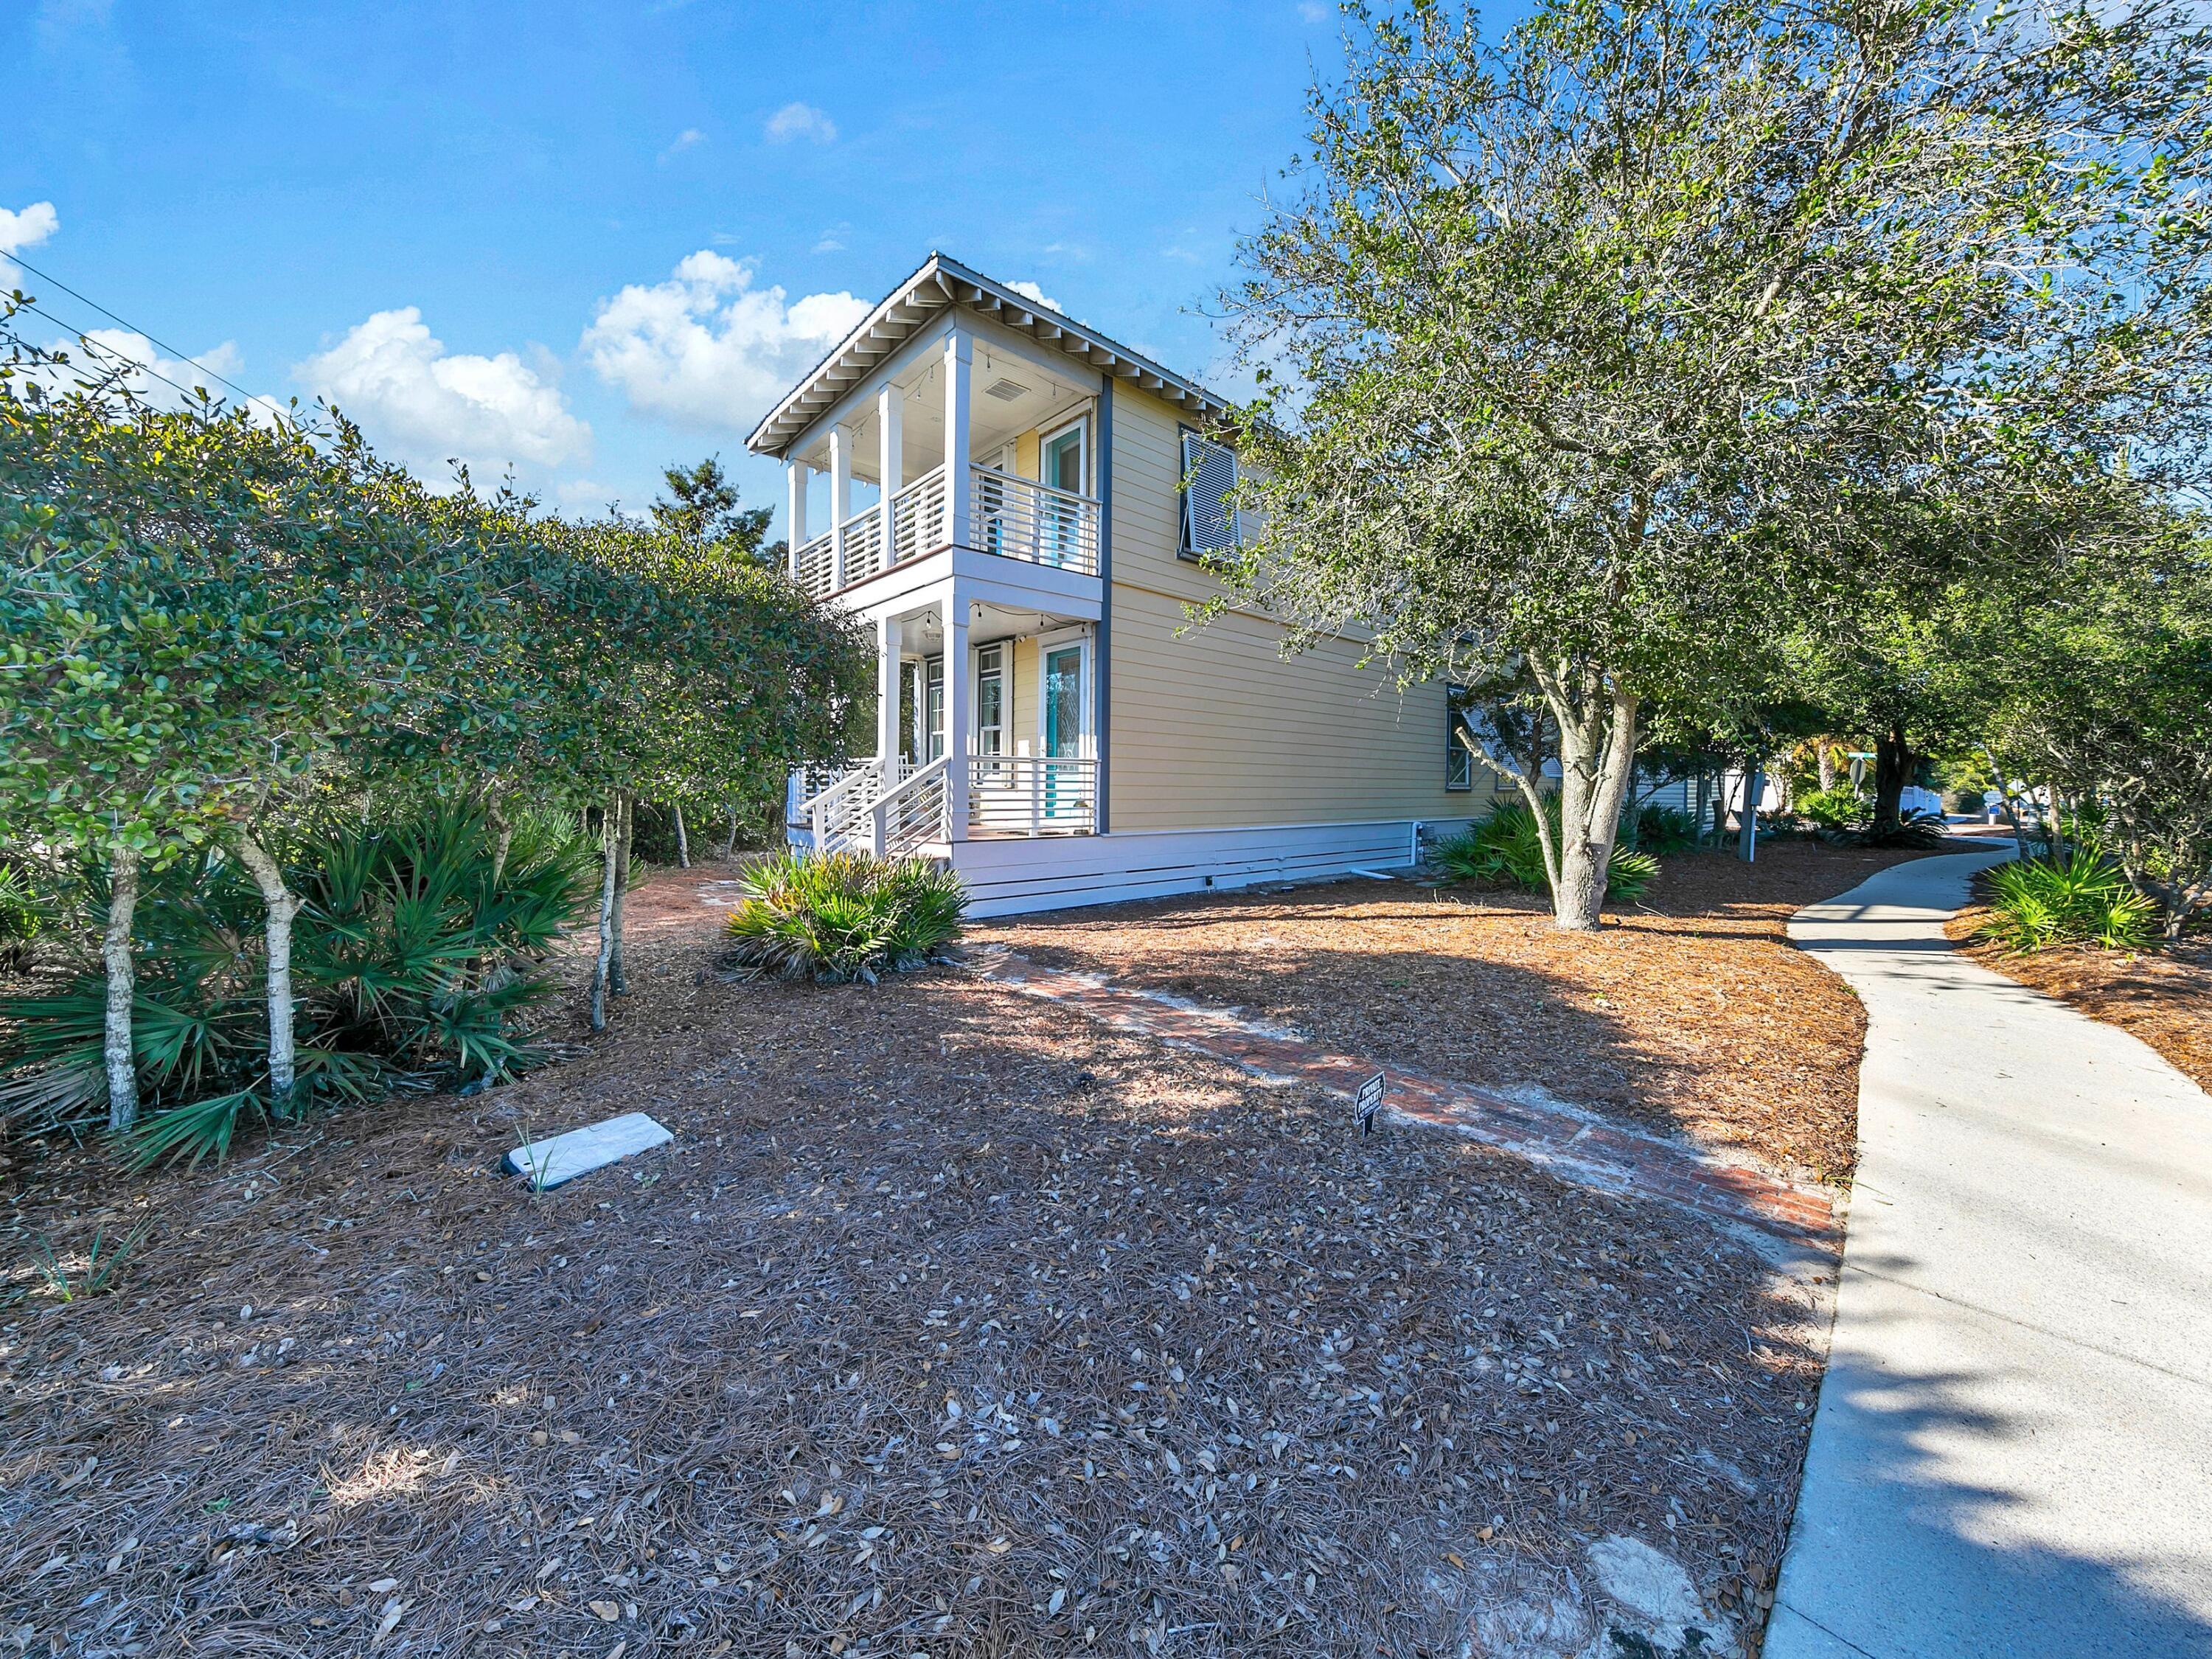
1209,521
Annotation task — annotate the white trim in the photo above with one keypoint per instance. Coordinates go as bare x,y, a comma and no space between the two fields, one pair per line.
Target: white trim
1013,875
1078,421
940,284
1006,697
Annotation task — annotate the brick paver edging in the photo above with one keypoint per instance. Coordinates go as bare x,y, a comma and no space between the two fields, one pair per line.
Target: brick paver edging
1571,1145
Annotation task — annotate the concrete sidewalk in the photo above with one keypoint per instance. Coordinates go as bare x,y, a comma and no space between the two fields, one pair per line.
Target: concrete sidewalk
2013,1455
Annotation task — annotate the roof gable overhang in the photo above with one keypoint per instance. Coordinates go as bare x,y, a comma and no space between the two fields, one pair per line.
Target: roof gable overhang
940,285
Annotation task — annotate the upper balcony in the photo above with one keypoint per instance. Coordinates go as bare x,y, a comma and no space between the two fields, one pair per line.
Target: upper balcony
958,415
1008,514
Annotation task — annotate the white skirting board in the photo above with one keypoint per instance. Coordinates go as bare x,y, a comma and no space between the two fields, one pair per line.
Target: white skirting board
1013,876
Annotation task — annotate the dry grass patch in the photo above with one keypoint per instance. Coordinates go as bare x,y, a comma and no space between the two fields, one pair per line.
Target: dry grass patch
950,1323
1689,1012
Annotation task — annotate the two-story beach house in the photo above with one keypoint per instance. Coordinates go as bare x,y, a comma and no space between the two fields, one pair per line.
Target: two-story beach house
1022,510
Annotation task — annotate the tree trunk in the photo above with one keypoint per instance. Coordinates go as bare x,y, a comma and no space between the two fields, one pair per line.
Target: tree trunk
2054,826
1597,753
1893,762
1827,765
604,961
618,975
118,1049
1747,834
279,904
2011,809
502,838
730,841
683,842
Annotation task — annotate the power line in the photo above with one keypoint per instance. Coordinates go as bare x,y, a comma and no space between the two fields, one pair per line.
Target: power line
91,344
251,397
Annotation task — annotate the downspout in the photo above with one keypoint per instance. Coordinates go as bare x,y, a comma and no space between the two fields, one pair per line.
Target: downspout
1103,675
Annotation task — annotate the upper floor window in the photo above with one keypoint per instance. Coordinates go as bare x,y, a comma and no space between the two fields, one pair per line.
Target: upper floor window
1210,519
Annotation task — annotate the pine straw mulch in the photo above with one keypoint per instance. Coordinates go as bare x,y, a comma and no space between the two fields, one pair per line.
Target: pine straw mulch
1689,1012
949,1324
2163,997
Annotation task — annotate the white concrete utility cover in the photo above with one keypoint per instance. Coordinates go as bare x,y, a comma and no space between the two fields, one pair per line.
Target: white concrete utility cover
562,1157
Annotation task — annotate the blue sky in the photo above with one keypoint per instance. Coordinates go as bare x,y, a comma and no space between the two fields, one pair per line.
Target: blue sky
591,240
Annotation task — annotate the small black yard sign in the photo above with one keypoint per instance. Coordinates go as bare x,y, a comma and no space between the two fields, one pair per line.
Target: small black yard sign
1368,1102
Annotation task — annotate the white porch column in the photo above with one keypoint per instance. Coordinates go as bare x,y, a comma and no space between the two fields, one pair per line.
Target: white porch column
795,477
958,715
841,499
887,695
959,373
891,410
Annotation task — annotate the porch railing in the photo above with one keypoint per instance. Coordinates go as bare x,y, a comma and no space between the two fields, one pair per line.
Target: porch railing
864,545
919,523
810,567
1021,518
838,816
1014,517
1033,794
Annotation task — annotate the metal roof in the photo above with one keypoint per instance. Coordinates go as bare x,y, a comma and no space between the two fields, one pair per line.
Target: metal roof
941,283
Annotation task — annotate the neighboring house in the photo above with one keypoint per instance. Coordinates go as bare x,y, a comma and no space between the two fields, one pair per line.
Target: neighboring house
1048,718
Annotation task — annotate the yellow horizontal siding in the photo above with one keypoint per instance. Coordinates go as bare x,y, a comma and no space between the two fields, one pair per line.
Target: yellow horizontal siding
1213,726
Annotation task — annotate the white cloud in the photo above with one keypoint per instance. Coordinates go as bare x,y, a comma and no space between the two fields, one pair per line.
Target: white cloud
1313,13
800,121
424,405
1032,292
689,138
709,348
22,228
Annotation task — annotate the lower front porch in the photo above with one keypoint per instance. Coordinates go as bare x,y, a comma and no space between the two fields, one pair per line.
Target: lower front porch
985,729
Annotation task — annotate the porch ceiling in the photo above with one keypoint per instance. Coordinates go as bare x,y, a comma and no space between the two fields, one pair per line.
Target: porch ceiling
941,283
1028,396
924,635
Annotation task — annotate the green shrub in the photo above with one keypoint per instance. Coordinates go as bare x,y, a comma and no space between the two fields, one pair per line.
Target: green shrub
1967,803
1914,830
1505,848
2081,899
1841,807
1659,830
844,916
410,969
22,918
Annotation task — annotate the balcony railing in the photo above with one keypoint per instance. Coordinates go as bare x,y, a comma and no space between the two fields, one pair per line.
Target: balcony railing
919,517
1033,794
1014,517
1022,519
811,567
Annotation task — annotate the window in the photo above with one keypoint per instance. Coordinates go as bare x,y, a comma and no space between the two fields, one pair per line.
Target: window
934,703
1210,522
1459,759
990,702
921,709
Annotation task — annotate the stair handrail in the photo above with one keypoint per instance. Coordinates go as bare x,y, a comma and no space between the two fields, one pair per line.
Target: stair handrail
915,782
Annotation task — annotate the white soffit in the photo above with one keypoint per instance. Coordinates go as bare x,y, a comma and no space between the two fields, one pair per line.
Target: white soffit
942,283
